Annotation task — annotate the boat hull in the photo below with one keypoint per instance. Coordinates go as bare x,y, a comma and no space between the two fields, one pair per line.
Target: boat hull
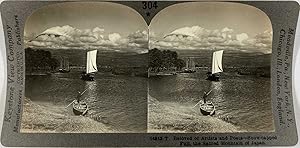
213,77
189,71
63,71
207,109
205,113
79,108
87,77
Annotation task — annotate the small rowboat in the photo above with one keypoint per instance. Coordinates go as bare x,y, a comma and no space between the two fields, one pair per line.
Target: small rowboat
80,108
207,108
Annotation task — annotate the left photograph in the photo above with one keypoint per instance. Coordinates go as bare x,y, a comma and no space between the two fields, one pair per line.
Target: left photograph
86,69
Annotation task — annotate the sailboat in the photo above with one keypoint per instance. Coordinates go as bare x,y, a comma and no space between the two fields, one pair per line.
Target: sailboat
64,65
91,66
189,66
216,67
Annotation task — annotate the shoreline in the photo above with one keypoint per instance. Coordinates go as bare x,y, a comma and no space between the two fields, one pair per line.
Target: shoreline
168,118
50,118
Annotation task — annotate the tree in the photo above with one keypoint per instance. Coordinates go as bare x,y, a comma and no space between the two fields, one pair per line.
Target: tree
180,64
39,60
155,59
169,58
165,59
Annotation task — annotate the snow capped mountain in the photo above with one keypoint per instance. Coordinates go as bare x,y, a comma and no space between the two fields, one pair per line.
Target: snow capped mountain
193,31
66,31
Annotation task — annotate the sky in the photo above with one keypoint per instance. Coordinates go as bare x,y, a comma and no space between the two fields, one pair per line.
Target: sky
78,25
184,26
218,25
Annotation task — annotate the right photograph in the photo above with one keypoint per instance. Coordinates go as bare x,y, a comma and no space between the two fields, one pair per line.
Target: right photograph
209,69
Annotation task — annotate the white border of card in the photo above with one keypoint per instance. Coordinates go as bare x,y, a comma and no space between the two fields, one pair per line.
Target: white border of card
284,15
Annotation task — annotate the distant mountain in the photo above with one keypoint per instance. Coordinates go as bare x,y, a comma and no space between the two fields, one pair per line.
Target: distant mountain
104,58
231,58
131,59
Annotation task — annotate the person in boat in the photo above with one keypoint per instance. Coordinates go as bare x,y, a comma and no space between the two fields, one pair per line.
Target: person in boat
77,101
78,96
205,96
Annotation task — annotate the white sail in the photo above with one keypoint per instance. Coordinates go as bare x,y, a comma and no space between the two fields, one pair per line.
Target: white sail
187,63
190,64
217,62
91,65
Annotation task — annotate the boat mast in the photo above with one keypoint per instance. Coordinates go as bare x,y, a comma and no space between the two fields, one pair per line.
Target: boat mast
64,63
212,58
61,63
67,64
85,59
187,63
86,65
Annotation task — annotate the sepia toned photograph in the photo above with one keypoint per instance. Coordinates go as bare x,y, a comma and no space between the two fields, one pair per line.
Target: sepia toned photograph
86,69
148,73
209,69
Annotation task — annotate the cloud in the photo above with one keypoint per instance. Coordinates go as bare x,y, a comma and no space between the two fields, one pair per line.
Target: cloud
227,30
139,38
88,39
196,37
97,29
68,37
241,37
114,37
192,38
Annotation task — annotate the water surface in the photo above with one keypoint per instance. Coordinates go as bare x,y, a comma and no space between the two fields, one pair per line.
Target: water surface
118,101
244,101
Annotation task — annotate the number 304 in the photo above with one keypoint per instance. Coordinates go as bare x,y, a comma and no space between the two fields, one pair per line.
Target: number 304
150,5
